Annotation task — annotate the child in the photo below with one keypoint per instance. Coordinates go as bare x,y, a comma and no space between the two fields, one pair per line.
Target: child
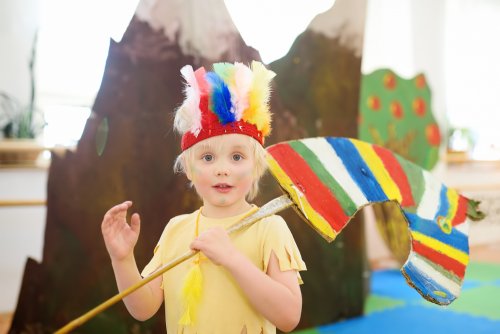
246,282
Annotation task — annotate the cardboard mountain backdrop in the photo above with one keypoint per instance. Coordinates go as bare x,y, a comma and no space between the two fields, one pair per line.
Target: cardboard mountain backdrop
127,151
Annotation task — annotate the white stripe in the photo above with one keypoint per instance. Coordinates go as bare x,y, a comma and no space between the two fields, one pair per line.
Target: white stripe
436,276
429,204
334,165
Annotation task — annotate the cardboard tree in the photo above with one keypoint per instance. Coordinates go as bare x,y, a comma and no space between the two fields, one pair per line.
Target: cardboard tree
396,113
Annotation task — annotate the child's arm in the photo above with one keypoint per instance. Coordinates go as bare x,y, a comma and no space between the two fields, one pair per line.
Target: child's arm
276,295
120,239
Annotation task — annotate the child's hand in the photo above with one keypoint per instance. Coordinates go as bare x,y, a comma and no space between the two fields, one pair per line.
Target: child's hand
215,244
120,237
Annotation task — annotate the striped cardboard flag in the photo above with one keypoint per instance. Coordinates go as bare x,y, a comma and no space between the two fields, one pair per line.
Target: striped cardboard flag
330,179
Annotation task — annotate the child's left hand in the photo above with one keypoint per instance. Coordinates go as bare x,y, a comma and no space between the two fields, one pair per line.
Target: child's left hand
215,244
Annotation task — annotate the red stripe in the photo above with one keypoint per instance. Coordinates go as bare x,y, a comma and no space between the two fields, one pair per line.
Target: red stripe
318,195
397,174
461,211
444,261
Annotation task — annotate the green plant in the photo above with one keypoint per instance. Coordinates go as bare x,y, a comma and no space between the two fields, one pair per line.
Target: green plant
16,119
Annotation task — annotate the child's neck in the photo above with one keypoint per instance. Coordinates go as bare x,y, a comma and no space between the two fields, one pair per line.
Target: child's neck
212,211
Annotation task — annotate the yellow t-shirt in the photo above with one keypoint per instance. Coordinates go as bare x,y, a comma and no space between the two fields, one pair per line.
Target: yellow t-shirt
223,307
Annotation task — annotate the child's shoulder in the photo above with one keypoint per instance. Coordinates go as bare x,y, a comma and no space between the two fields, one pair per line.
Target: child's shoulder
274,218
177,220
176,223
273,223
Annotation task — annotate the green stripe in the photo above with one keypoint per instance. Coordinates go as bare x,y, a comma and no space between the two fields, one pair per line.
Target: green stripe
348,206
416,180
448,274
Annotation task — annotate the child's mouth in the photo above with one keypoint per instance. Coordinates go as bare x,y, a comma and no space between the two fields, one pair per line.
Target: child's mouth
222,187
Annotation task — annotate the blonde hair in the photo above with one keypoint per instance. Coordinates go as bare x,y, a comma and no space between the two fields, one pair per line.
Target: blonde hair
259,156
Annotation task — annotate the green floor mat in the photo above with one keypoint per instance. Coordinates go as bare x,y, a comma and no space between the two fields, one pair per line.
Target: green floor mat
484,272
376,303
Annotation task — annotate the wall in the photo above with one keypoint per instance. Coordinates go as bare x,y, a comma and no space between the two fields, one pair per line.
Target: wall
21,228
18,22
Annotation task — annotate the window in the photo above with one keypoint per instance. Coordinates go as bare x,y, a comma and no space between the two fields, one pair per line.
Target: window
472,73
73,43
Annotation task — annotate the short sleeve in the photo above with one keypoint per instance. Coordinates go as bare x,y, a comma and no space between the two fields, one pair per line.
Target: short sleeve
155,261
279,239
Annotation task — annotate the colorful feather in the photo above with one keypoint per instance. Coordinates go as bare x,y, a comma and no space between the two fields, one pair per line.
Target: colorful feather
258,111
220,99
242,84
188,116
202,81
191,294
231,93
238,77
226,72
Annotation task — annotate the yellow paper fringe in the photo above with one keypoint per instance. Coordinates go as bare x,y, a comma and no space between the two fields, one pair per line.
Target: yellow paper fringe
191,294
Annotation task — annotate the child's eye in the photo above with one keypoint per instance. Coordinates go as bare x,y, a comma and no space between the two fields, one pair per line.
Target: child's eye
237,157
208,157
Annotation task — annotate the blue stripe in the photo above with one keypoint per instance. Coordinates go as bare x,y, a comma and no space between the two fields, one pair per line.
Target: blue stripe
443,203
430,228
425,285
358,169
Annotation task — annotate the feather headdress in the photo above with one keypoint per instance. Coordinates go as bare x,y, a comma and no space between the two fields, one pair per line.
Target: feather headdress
232,99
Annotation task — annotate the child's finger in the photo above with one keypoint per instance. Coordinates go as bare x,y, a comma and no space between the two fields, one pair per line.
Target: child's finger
120,208
195,244
135,223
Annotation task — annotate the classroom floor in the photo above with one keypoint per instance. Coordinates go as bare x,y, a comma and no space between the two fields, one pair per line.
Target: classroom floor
394,307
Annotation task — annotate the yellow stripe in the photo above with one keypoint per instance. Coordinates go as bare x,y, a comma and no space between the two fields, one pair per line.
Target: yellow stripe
453,203
315,219
378,169
441,247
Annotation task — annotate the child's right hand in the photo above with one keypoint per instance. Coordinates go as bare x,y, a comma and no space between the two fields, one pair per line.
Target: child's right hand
120,237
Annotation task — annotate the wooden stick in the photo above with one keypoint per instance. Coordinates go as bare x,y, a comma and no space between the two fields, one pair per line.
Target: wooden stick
9,203
270,208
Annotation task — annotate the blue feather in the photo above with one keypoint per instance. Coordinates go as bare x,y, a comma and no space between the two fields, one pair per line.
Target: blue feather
221,99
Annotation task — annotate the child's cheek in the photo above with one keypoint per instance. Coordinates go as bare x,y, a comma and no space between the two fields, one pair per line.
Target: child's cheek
244,174
198,174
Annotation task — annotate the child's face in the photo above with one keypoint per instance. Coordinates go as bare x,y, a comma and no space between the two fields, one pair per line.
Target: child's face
222,171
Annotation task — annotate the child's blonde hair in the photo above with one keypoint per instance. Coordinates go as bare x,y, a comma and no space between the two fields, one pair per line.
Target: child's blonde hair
258,154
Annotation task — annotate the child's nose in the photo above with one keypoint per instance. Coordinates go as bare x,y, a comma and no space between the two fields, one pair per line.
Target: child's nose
222,169
222,172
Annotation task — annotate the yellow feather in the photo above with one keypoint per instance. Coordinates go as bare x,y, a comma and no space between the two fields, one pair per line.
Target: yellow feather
258,109
191,294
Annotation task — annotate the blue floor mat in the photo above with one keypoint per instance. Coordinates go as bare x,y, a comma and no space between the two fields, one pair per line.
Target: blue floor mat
395,307
413,319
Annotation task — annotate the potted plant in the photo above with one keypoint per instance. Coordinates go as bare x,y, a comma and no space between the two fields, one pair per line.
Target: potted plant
20,125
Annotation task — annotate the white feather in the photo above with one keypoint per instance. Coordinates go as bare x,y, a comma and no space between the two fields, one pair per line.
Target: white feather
188,116
242,83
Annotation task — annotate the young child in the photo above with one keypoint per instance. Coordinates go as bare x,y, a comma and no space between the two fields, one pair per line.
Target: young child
246,282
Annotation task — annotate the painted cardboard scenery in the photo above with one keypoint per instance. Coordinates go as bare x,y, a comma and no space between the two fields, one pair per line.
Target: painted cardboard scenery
128,148
396,113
